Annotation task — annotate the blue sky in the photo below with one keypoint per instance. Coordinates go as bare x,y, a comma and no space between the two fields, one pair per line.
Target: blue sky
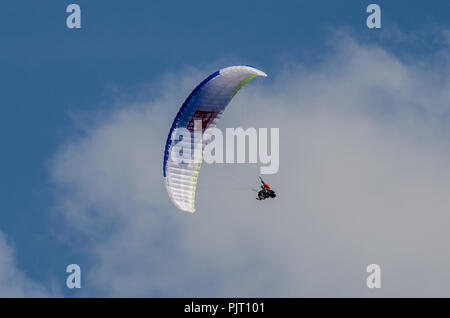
52,77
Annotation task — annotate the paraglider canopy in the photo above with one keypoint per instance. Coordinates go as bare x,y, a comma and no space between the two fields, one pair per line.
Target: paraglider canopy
205,103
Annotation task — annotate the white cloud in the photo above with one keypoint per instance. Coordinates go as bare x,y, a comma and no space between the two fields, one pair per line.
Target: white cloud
14,282
363,179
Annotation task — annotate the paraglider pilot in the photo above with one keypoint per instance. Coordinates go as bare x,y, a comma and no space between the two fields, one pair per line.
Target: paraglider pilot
265,192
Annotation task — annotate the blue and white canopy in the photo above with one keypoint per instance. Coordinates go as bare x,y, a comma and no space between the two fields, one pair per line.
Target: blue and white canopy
206,103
